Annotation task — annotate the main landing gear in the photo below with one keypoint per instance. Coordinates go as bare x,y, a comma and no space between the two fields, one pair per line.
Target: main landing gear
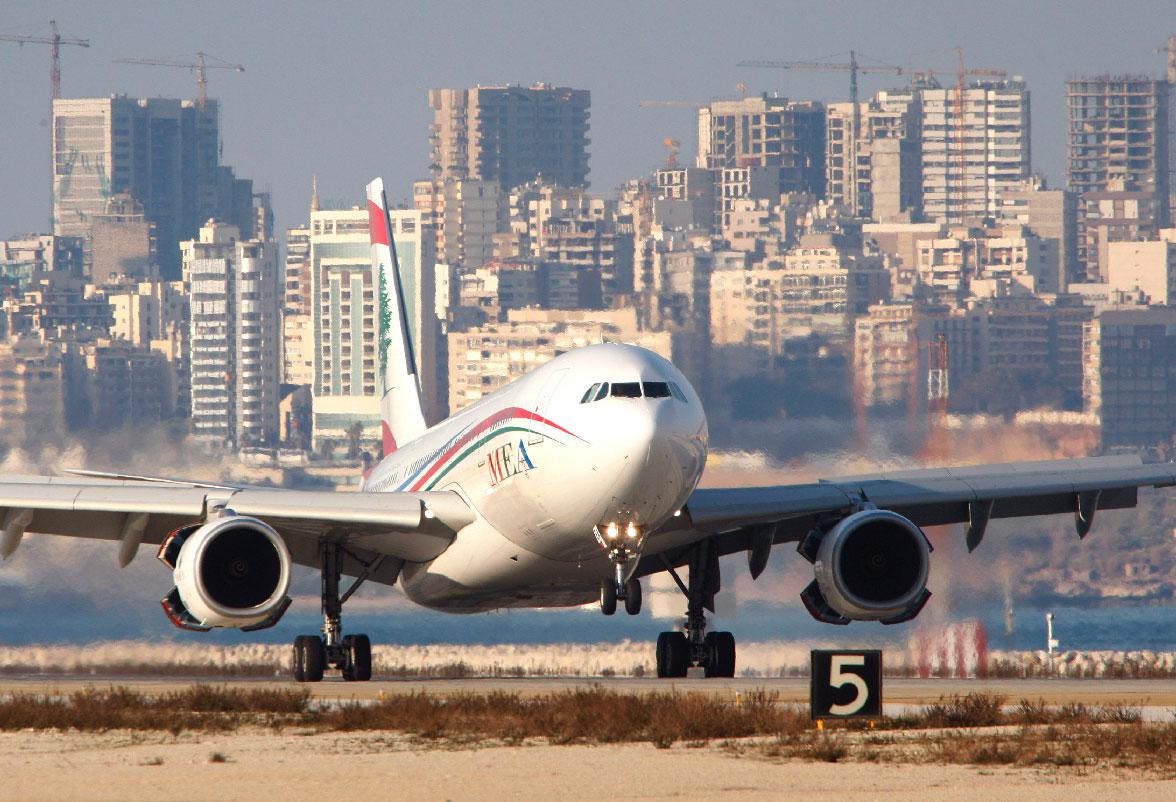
352,654
713,652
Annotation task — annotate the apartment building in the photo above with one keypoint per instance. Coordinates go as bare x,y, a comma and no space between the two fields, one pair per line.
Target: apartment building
347,383
975,145
234,337
1129,376
875,173
487,357
511,134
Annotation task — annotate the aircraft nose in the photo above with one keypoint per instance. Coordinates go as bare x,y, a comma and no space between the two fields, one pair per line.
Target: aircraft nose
660,456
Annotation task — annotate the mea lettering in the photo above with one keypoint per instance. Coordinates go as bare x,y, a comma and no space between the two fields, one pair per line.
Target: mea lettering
507,461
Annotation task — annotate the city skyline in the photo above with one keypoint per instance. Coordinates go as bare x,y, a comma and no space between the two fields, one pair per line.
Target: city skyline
269,139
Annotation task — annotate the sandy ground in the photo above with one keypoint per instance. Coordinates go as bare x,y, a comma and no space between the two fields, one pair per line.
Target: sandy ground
263,765
1152,693
291,765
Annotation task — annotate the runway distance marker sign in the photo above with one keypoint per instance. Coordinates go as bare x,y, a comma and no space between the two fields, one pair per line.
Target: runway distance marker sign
846,684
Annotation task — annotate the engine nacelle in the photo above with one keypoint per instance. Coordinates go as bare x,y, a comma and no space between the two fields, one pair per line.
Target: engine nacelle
871,566
231,572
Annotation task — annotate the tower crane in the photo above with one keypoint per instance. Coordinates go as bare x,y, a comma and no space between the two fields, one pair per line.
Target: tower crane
55,40
853,68
199,67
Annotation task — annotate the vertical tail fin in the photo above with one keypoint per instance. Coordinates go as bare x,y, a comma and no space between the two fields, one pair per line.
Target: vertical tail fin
401,412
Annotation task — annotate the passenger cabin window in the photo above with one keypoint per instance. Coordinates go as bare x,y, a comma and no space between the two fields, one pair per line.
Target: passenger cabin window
626,390
602,392
591,394
656,389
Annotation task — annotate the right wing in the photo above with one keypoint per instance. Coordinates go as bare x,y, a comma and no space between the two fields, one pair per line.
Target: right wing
399,527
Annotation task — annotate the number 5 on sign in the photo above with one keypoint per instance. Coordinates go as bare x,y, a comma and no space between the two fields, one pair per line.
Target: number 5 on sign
846,684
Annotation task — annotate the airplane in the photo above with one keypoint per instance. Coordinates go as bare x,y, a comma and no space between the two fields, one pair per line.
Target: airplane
563,488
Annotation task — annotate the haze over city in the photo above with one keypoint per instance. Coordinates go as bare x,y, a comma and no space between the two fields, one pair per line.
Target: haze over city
340,91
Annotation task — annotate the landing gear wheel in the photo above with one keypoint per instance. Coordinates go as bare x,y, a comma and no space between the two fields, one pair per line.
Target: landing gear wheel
673,655
608,597
633,596
720,652
357,650
309,658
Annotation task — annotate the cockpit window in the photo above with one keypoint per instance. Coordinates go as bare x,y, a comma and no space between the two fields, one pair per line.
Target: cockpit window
656,389
602,392
626,390
677,392
591,394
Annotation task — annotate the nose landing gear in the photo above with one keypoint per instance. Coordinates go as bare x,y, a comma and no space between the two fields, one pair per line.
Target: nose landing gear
624,551
351,654
628,592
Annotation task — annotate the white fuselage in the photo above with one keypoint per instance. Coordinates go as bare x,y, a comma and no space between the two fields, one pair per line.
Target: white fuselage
541,467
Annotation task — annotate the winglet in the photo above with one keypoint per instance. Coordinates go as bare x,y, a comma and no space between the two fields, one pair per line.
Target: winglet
402,415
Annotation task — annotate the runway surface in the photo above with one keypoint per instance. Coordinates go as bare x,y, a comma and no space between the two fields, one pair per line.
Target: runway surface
1145,693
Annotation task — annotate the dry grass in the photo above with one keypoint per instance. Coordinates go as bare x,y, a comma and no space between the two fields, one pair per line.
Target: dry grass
976,729
200,707
592,715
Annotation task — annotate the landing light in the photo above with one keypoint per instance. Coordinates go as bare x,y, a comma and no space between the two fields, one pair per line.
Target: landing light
612,531
677,513
631,530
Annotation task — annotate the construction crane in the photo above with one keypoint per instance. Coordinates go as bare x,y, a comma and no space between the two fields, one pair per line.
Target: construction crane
673,147
670,104
199,67
55,40
854,69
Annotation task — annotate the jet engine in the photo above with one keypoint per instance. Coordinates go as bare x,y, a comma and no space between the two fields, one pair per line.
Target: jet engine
871,566
231,572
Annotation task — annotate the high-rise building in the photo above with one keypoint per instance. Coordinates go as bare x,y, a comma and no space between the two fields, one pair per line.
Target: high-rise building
347,385
875,175
465,214
164,152
1118,132
769,132
511,134
235,334
974,146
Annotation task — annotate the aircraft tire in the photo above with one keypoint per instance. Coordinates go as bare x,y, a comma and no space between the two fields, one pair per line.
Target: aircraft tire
673,655
358,667
608,597
720,649
633,596
309,658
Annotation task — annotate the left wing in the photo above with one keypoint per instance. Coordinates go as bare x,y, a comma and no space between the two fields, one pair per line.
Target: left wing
733,518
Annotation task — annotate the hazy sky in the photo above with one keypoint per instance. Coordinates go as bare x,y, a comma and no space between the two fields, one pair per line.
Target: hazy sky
339,89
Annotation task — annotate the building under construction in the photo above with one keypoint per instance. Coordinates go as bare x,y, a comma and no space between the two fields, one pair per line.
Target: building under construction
511,134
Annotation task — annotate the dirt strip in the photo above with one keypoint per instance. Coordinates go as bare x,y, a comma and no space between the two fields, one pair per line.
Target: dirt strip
261,765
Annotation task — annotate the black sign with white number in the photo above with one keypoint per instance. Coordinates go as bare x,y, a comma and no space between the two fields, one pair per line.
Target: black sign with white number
846,684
